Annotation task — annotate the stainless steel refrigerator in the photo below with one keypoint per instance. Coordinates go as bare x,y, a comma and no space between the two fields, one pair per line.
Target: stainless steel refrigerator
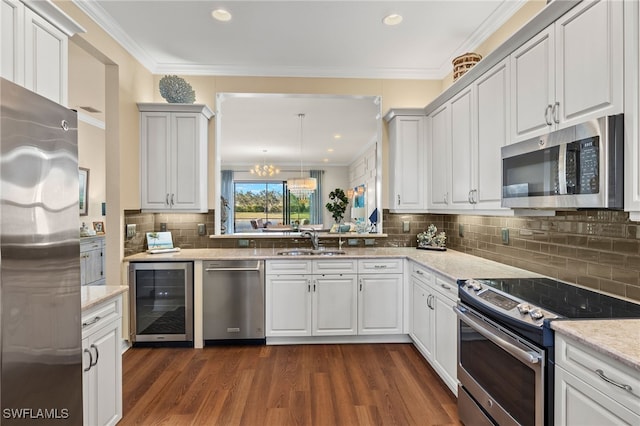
40,332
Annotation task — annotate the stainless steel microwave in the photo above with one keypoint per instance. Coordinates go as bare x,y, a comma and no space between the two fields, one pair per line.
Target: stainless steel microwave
579,167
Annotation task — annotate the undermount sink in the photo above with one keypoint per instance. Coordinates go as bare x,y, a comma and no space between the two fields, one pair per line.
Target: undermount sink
310,252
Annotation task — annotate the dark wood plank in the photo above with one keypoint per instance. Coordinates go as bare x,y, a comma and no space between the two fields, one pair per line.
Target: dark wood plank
382,384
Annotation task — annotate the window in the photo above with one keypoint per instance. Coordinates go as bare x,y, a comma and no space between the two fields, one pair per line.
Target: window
263,204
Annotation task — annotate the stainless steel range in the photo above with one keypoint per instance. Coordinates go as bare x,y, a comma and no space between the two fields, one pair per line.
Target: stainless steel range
505,344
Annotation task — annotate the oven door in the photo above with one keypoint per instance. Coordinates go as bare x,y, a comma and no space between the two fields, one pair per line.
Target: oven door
501,373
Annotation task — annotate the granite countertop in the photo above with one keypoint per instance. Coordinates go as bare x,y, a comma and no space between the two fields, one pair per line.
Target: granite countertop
452,264
619,339
92,295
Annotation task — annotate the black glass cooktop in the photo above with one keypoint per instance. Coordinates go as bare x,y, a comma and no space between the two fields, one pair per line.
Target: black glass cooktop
565,300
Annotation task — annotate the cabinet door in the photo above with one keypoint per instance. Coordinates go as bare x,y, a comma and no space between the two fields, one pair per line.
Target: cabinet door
288,305
46,58
408,162
533,86
422,319
155,138
446,340
438,143
589,37
577,403
186,162
103,380
462,167
335,305
12,41
380,304
492,98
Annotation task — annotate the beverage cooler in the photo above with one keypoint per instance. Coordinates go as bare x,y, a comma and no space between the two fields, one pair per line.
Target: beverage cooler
161,302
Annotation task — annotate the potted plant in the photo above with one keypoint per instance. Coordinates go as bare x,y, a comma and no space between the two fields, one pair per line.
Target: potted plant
338,204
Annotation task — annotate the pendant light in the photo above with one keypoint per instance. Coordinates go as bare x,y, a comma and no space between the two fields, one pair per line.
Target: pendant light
264,170
302,187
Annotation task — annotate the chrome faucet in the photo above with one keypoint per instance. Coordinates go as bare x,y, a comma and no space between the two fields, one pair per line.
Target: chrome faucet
313,236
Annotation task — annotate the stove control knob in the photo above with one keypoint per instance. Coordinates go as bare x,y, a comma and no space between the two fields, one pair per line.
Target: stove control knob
524,308
536,314
474,285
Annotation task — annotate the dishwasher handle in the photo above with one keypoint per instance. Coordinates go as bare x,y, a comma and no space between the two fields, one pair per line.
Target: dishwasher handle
257,268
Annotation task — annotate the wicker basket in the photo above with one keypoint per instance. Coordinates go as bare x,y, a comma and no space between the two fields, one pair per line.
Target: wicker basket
464,63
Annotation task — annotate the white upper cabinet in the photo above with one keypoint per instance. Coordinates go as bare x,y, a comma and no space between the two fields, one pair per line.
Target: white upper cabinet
492,120
173,157
407,163
463,138
532,86
438,147
35,47
632,109
570,72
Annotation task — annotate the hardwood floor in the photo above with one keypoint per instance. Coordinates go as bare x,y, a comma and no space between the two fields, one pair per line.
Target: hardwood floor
382,384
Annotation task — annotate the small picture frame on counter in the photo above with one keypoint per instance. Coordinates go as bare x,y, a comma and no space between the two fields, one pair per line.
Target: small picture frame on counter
98,227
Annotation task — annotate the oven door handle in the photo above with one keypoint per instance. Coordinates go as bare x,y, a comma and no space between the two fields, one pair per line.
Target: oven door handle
523,355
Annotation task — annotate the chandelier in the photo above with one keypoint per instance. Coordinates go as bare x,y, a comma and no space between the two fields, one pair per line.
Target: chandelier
264,170
302,187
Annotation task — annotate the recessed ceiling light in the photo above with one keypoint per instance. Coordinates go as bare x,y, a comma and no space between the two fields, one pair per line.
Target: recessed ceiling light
326,160
392,19
221,15
337,136
330,150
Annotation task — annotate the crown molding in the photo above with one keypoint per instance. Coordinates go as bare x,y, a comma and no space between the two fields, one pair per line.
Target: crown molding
115,31
91,121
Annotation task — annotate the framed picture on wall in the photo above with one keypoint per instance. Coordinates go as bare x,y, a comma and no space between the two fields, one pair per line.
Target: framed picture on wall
98,227
84,191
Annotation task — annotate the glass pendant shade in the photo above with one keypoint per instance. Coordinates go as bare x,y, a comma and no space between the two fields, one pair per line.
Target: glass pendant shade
302,187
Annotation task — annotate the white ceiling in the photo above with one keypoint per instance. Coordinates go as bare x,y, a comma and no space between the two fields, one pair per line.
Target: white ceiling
305,38
251,124
299,38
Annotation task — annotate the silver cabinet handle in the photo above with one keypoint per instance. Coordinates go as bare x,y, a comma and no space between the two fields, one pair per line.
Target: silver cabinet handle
172,203
398,199
555,112
309,286
547,112
93,321
166,200
469,196
475,196
379,266
446,198
360,284
600,373
419,272
97,355
446,287
91,364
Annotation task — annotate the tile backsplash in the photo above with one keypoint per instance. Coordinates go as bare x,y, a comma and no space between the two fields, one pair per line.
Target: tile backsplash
596,249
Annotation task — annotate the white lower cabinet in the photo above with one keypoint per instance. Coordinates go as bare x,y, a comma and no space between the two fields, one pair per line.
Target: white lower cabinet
334,297
102,363
335,305
323,304
592,388
434,323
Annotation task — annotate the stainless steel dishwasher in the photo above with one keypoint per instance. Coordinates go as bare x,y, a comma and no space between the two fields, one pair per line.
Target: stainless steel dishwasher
233,301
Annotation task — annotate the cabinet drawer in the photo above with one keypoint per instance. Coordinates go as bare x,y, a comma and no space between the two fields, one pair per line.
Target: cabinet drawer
447,289
421,273
335,266
99,315
583,363
288,266
385,266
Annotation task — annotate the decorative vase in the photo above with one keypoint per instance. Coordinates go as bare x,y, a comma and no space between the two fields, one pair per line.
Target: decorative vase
176,90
